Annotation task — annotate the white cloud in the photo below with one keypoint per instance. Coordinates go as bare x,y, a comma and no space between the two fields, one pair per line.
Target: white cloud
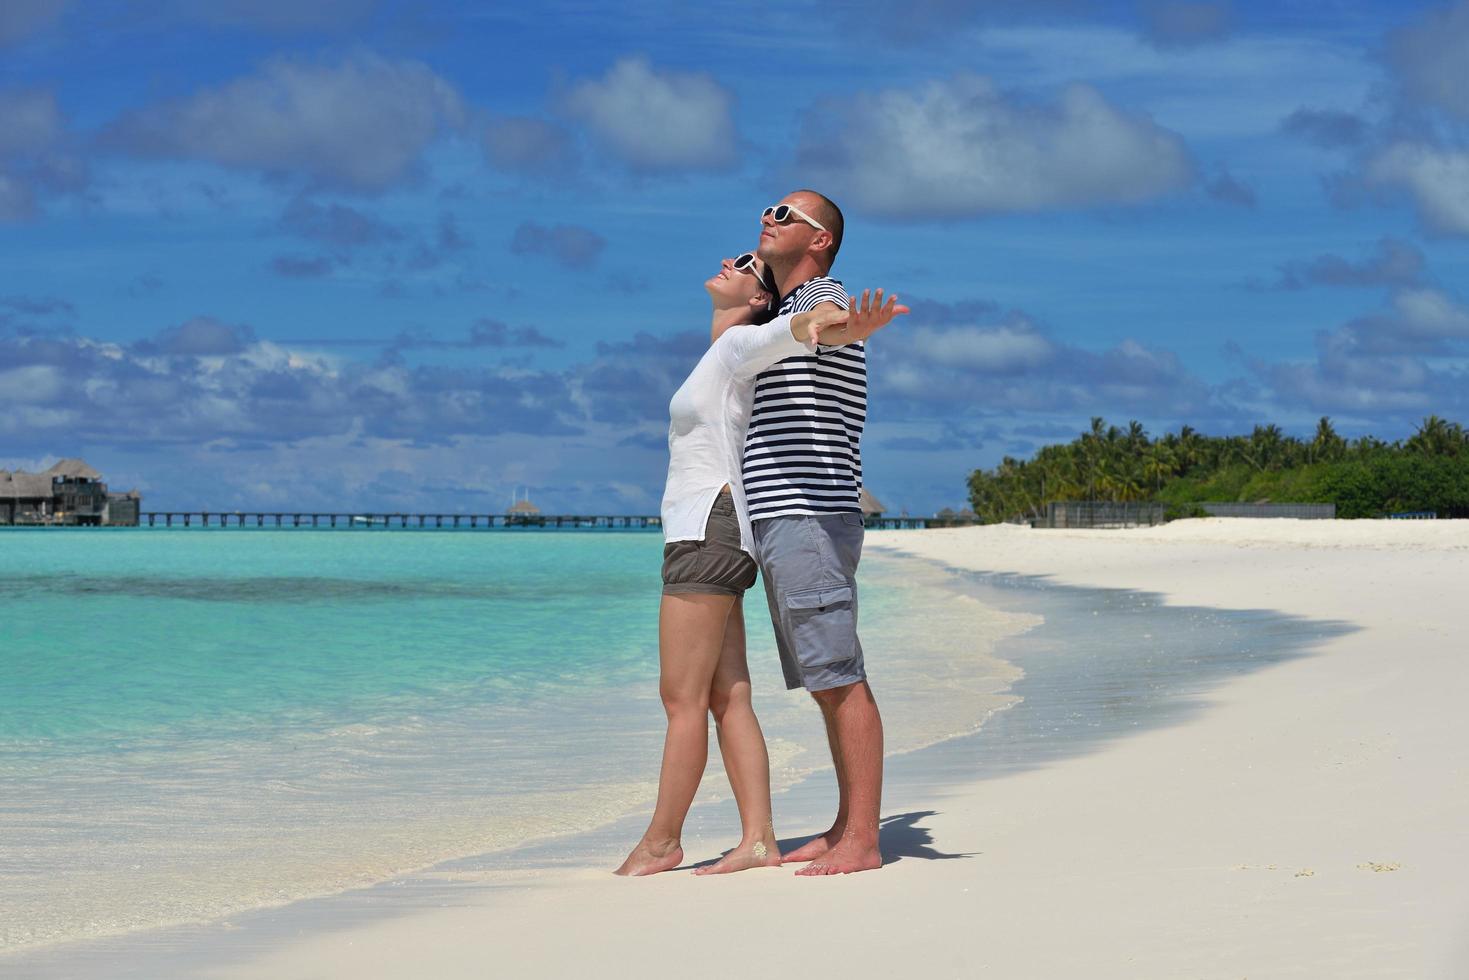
1349,386
1431,313
31,163
1437,179
33,383
20,19
1186,23
1408,359
32,122
1237,87
1394,263
656,120
362,124
1432,59
962,147
16,200
1013,366
281,16
995,349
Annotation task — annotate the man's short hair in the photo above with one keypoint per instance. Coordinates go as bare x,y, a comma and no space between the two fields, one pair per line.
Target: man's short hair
829,215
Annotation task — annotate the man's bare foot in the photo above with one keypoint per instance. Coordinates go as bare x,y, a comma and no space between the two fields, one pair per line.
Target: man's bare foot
845,858
814,848
758,854
649,858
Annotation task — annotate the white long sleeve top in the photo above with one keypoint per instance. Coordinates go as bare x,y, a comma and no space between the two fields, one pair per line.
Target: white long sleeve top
708,417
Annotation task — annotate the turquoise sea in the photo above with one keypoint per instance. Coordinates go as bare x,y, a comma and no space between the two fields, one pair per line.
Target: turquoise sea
198,722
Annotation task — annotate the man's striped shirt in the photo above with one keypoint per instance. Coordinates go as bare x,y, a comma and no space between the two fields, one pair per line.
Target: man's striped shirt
803,452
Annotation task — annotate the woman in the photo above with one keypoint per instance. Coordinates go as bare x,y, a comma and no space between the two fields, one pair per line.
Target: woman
707,566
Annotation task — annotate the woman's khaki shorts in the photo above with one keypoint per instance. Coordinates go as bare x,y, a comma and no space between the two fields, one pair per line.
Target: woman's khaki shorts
716,565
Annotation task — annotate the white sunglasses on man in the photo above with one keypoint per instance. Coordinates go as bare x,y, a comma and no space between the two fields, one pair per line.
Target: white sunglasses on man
781,213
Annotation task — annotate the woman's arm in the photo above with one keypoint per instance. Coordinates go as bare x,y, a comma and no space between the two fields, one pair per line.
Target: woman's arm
832,326
748,350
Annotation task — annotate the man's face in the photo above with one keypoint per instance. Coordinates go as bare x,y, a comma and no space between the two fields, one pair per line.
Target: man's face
783,244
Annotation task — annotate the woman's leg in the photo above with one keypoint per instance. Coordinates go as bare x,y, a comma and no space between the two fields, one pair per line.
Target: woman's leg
691,630
742,744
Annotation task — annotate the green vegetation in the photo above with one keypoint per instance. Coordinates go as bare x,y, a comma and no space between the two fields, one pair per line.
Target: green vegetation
1364,477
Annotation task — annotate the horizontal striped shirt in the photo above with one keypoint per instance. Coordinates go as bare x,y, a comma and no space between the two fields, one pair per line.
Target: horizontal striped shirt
803,451
706,431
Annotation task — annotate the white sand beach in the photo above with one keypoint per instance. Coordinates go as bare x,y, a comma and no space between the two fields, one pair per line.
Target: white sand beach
1302,817
1308,823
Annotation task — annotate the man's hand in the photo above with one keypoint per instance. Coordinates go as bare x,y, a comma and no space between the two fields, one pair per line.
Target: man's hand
872,315
861,320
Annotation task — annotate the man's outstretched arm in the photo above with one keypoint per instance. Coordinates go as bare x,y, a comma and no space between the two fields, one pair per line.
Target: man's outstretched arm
863,319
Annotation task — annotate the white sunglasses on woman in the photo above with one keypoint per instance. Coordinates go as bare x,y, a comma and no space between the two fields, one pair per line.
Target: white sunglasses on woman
745,262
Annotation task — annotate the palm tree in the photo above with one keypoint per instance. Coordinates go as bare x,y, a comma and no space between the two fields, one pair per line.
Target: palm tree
1265,448
1188,448
1158,464
1130,481
1326,445
1092,451
1137,436
1436,437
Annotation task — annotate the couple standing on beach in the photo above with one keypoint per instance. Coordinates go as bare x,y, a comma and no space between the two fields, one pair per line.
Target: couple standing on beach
765,469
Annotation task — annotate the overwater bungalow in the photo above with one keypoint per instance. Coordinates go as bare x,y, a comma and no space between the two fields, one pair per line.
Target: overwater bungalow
525,512
871,506
71,492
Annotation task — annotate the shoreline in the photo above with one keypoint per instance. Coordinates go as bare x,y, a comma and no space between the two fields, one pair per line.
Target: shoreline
1303,818
794,762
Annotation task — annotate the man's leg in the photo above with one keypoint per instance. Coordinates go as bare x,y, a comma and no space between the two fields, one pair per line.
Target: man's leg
854,727
810,566
817,846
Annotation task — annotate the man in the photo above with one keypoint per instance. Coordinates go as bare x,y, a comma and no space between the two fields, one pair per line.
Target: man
802,476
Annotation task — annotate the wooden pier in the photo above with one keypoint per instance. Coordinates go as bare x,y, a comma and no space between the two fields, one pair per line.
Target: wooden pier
897,523
368,521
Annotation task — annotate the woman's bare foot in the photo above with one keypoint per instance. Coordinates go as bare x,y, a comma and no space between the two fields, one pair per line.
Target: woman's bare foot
651,857
756,854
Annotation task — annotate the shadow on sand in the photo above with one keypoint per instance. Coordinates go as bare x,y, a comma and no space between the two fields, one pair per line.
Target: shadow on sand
899,836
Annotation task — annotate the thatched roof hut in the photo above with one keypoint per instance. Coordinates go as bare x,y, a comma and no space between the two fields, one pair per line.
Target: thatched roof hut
871,506
21,485
77,469
25,486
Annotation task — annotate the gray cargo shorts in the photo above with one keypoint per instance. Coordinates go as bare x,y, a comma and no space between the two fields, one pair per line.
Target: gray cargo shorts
809,565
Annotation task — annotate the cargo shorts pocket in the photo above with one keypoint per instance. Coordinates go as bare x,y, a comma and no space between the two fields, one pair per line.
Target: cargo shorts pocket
823,625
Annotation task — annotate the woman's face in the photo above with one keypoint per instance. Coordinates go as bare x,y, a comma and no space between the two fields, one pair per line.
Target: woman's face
731,287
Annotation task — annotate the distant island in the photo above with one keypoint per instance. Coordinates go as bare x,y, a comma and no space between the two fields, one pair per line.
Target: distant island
1364,477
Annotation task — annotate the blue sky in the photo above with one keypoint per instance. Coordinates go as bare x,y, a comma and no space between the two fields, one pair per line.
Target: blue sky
360,254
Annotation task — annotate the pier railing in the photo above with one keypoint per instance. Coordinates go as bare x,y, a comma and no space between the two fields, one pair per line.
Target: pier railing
365,520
